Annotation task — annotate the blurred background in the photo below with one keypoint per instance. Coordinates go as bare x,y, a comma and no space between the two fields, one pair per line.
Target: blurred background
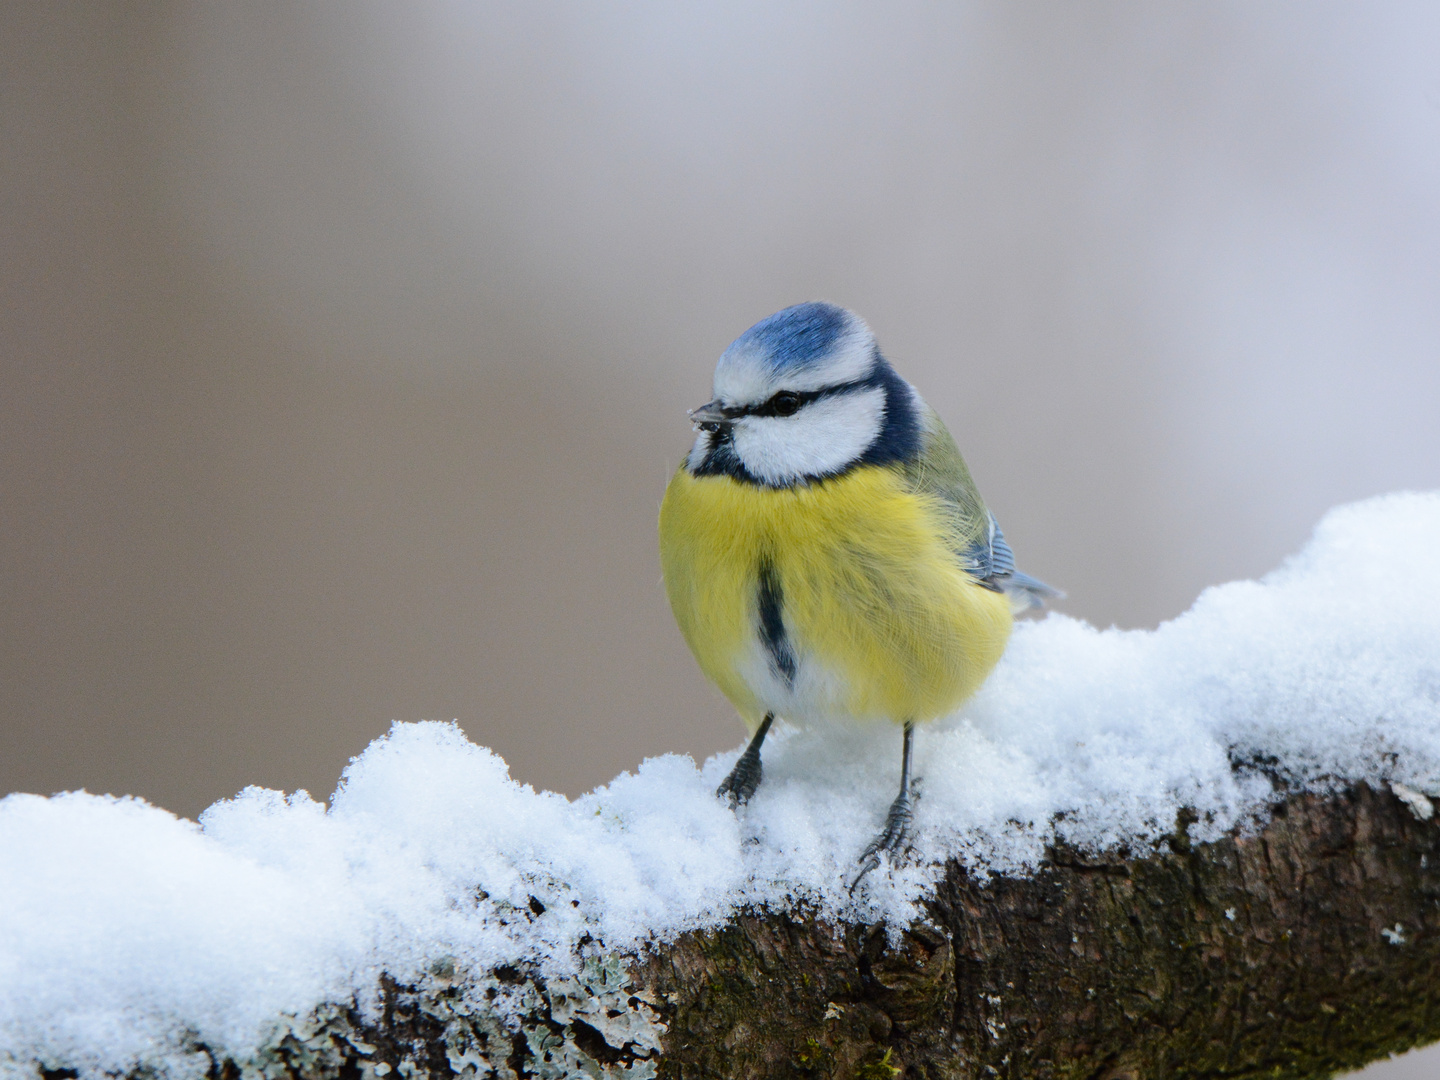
345,348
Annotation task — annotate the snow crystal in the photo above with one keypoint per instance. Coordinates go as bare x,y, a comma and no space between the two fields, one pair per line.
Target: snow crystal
128,934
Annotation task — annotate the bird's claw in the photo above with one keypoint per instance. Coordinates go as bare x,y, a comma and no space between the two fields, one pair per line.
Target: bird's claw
737,788
893,837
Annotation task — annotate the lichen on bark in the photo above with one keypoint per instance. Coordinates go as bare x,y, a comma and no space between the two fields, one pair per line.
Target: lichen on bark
498,1025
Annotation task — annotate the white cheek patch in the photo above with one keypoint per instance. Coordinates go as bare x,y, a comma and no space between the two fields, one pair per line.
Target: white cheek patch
822,438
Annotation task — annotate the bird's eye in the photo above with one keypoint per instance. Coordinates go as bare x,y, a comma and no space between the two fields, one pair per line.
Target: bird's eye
785,403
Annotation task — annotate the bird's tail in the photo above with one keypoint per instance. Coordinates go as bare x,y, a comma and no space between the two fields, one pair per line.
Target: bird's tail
1025,592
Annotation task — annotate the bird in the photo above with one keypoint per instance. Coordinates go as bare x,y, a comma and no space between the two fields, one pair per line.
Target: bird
825,552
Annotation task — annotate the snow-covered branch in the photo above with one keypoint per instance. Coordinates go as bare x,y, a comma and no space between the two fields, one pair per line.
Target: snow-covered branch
1197,851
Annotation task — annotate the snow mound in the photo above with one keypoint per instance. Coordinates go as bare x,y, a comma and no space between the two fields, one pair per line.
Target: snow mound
129,934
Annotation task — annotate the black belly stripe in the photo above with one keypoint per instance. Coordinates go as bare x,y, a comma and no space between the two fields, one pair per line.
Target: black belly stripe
772,624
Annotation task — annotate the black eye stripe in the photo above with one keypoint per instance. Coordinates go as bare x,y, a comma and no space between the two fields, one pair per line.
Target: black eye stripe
800,398
785,403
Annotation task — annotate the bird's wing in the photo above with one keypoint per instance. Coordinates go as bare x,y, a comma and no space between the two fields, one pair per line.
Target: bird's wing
940,470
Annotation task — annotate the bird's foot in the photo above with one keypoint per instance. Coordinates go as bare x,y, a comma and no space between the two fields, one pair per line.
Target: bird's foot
744,778
893,837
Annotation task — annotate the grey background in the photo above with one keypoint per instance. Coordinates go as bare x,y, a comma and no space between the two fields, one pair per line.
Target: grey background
346,347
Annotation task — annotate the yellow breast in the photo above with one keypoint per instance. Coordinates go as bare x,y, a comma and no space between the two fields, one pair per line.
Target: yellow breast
881,620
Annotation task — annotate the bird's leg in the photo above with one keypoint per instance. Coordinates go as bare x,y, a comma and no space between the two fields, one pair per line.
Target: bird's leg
897,822
745,777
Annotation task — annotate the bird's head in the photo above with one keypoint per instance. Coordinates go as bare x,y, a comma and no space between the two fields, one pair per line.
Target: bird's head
801,396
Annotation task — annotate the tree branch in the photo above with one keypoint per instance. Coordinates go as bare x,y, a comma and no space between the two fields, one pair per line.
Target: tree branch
1308,946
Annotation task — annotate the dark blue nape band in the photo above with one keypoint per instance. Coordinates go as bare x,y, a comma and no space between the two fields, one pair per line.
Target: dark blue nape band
899,439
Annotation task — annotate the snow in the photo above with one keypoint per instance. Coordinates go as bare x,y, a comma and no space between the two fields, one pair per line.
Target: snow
127,933
1419,803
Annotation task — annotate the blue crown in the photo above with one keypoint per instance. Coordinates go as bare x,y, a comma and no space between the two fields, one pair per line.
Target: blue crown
796,337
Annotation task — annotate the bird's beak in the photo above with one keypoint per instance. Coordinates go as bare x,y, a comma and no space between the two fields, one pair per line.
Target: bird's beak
708,417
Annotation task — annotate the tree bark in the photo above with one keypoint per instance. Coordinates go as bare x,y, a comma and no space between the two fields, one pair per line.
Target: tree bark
1309,945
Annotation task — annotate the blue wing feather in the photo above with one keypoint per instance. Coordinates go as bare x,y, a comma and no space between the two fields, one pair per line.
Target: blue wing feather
990,559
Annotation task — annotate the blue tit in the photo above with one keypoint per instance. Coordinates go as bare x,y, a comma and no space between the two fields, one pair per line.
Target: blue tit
825,551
